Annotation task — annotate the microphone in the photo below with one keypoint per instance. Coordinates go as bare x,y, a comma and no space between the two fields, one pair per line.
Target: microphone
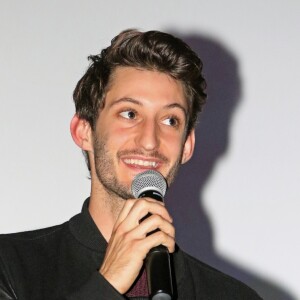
158,268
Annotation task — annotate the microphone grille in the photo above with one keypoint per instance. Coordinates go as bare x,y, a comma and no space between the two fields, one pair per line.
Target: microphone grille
148,180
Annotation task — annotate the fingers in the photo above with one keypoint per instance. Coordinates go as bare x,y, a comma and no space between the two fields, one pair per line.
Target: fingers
160,238
165,236
135,209
129,228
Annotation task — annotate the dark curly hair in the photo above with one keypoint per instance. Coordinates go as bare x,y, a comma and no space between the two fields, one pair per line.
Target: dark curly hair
151,50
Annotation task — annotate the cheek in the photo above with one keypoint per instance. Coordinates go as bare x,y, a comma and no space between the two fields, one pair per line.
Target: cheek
118,138
173,144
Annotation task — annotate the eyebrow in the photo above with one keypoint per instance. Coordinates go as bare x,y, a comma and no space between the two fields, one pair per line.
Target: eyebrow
130,100
177,105
137,102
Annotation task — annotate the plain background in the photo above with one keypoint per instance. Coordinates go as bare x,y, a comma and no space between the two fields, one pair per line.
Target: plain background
236,204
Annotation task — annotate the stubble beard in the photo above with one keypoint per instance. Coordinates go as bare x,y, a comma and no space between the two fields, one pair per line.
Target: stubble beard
106,172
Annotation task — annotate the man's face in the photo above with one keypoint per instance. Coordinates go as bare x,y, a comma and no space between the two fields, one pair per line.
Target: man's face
141,126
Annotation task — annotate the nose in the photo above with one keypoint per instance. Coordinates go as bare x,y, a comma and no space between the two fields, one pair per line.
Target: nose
148,136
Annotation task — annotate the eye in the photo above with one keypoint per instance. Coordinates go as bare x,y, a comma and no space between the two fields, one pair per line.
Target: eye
171,121
128,114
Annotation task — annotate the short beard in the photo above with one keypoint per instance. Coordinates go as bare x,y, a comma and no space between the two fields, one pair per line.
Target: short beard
105,169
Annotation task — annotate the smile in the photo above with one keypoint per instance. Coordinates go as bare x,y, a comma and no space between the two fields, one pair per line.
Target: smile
142,163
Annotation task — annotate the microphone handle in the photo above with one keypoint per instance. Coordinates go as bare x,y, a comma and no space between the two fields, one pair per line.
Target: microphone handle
158,266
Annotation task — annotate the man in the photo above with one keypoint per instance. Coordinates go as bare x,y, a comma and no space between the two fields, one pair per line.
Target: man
136,108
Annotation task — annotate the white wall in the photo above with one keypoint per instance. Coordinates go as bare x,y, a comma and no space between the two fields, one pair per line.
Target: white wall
250,197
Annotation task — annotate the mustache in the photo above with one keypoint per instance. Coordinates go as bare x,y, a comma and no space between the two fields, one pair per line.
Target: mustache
153,154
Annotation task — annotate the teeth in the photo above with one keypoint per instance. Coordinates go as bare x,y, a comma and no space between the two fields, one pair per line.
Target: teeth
139,162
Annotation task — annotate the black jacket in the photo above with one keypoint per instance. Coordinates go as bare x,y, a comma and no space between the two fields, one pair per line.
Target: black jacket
61,262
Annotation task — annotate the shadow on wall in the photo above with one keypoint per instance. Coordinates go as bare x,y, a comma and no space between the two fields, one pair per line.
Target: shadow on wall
194,232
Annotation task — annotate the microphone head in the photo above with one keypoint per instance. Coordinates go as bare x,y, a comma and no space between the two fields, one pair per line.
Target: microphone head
148,180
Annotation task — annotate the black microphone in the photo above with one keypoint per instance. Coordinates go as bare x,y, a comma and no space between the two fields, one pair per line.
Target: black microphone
152,184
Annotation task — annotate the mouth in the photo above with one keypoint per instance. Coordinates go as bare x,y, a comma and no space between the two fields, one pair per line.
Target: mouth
141,163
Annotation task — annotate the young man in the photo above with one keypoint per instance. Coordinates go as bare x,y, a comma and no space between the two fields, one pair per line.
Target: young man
136,108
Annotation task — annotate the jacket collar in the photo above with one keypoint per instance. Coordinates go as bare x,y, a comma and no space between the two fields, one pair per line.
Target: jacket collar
86,231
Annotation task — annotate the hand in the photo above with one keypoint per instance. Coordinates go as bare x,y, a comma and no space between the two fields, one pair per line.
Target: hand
129,243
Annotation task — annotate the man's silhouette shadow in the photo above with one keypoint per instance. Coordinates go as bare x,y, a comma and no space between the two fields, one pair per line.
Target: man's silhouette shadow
193,229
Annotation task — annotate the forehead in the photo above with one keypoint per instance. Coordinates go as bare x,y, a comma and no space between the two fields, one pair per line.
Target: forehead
145,85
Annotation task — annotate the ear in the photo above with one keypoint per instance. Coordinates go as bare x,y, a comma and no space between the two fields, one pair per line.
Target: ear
81,133
188,148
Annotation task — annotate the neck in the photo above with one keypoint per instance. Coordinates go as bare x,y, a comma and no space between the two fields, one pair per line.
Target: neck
104,209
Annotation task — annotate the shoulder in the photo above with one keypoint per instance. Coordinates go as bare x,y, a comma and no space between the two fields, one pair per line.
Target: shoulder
32,235
215,282
23,251
27,241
